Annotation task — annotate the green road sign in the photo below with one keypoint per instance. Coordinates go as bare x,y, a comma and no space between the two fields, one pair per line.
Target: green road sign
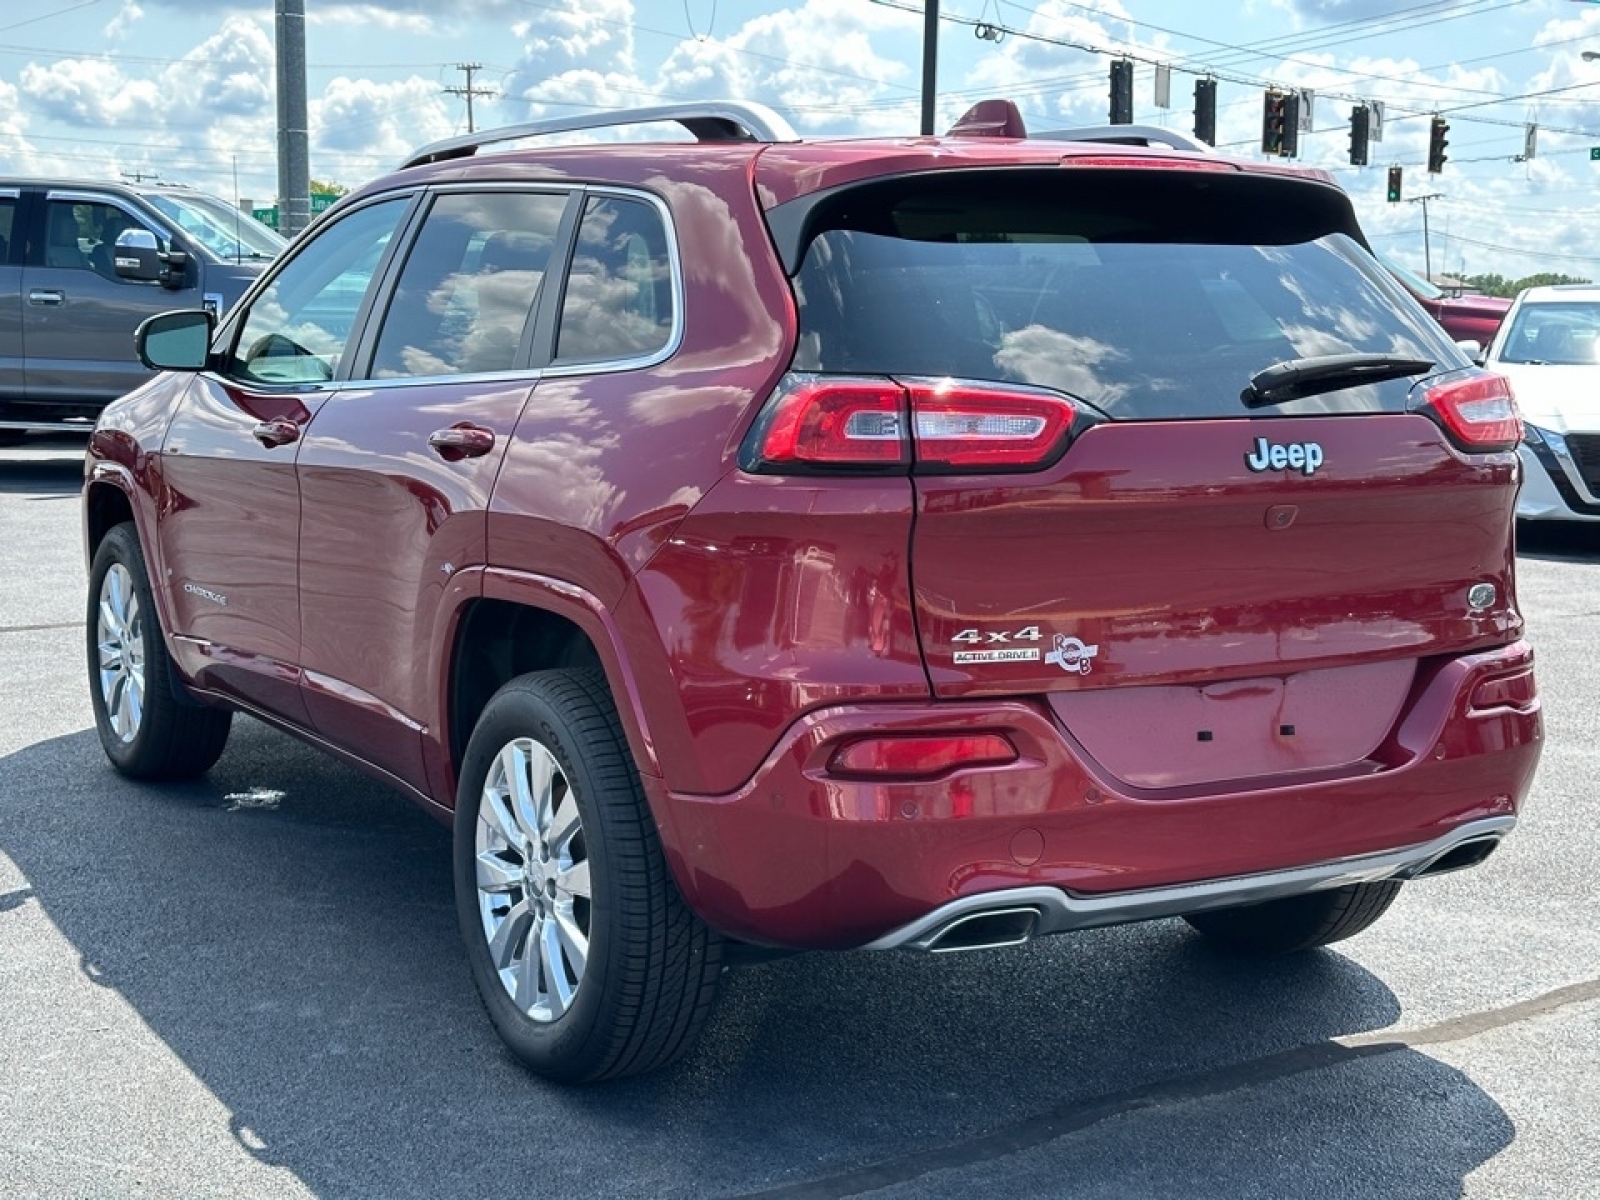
1594,152
267,216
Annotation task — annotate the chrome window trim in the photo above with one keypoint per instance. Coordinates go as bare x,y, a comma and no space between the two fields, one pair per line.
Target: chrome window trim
610,366
149,219
10,193
531,374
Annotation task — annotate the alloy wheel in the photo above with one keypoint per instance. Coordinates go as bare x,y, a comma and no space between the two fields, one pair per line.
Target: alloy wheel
532,866
119,635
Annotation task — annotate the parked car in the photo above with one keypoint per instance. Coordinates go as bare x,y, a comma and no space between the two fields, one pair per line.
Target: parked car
82,263
1549,348
1467,318
757,544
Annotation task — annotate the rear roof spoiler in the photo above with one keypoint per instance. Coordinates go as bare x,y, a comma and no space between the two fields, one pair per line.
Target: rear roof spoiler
1002,119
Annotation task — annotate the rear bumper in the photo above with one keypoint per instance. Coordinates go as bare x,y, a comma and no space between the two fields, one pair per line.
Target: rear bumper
799,858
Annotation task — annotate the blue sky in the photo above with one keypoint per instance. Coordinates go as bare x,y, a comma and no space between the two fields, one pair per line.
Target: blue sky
185,88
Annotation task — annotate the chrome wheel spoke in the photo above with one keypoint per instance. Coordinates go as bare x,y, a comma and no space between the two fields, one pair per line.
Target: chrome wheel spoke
525,974
494,814
511,934
496,875
574,944
564,824
573,881
559,989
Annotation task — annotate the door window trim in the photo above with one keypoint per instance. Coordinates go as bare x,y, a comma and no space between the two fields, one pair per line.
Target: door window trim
610,366
532,350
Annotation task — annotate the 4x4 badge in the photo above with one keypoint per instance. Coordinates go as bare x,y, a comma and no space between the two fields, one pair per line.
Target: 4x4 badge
1072,655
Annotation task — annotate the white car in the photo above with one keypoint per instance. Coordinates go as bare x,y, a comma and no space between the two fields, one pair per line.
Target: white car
1549,347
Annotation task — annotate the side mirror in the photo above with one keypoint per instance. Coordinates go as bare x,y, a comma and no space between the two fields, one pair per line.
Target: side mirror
1473,349
138,257
176,341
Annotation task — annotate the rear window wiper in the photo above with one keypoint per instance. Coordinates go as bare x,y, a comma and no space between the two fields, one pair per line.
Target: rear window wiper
1285,381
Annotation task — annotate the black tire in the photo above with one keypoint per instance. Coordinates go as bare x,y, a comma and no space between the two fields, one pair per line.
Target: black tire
650,968
1297,922
158,737
12,437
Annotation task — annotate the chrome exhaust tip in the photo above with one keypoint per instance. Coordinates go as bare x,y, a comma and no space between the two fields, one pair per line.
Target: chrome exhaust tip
1458,858
982,931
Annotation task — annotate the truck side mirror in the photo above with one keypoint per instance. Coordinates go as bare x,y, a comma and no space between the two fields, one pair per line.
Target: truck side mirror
137,256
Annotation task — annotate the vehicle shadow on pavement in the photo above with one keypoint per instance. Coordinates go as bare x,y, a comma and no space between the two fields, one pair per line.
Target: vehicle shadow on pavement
1558,540
285,927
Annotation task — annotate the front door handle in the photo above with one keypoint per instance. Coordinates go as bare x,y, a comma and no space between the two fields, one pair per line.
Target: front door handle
462,441
50,296
276,433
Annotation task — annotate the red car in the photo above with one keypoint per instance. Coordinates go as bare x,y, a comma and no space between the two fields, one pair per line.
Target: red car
753,543
1469,318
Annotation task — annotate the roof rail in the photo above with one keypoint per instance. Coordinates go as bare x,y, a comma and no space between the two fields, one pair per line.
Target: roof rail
1126,135
708,120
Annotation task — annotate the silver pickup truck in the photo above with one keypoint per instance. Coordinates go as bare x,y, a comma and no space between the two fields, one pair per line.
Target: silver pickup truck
82,264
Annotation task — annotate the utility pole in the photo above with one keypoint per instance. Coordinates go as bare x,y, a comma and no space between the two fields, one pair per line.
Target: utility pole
294,150
1427,251
930,61
469,91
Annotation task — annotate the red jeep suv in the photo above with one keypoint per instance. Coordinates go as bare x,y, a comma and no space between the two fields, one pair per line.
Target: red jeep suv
755,542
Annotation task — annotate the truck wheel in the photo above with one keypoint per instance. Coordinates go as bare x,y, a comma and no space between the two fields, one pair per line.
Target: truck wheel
588,960
1297,922
146,732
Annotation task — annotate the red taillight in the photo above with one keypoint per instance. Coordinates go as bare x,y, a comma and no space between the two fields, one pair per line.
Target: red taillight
1477,409
833,422
922,756
1505,691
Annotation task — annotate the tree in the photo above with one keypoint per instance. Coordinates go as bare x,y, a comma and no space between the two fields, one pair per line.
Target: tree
320,187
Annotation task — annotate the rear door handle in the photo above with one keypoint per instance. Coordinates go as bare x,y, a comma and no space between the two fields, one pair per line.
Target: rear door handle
50,296
462,441
276,433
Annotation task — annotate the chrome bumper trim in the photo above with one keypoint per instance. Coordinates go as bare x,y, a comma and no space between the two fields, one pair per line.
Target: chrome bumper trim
1061,910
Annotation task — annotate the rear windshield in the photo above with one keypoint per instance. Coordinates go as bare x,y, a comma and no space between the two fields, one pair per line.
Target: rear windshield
1148,295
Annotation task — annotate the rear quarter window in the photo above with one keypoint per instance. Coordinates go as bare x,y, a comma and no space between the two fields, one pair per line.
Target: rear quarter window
1145,295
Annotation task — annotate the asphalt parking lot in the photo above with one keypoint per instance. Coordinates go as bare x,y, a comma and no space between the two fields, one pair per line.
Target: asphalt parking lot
252,986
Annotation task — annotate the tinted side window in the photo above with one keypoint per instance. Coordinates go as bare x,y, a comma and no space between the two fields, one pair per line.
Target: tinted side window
619,298
8,227
298,325
81,235
469,284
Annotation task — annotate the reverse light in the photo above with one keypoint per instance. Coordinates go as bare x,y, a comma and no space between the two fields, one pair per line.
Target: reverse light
921,756
881,426
1477,409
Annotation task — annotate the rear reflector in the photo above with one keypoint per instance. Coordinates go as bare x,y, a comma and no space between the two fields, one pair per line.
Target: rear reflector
1477,409
1505,691
922,757
827,422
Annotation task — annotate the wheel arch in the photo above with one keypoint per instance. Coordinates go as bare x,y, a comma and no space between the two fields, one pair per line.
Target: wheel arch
520,623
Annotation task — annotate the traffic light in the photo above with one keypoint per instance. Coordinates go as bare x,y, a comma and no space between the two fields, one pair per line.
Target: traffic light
1436,144
1122,91
1394,185
1360,134
1280,123
1205,111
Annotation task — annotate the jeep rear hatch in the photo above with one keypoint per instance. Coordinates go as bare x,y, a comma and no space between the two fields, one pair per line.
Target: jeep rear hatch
1209,577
